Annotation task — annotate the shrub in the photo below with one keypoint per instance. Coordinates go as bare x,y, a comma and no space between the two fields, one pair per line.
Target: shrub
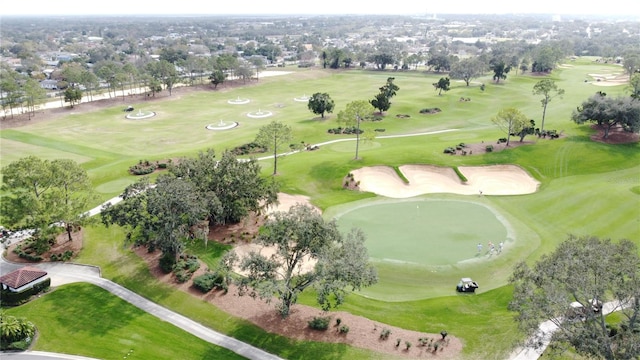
398,341
489,148
430,110
344,329
384,334
319,323
338,321
502,140
167,261
210,280
407,345
450,150
182,275
249,148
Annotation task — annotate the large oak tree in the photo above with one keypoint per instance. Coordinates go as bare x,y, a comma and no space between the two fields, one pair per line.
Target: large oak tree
42,192
301,237
609,112
584,271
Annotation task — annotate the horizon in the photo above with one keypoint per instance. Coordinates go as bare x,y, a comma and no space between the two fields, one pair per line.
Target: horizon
591,8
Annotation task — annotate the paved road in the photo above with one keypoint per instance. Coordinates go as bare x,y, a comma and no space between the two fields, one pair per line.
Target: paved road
61,273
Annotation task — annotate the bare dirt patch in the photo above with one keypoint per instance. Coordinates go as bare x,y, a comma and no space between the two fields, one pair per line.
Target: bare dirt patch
616,135
61,245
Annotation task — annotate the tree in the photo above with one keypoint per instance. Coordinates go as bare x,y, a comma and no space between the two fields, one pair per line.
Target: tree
34,94
319,103
609,112
74,194
631,62
634,86
217,78
442,85
231,187
352,115
14,329
440,62
273,136
42,192
382,60
301,236
548,89
500,70
382,101
467,69
586,271
72,95
511,121
131,213
175,206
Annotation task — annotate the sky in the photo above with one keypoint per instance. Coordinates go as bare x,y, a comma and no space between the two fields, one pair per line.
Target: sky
303,7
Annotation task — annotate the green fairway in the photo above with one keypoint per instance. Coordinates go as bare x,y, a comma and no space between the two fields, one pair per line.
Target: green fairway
84,319
422,246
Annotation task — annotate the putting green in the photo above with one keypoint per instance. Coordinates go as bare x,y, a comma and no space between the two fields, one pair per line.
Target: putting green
427,232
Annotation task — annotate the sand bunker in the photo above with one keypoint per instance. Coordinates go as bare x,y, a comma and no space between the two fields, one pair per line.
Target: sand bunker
286,201
427,179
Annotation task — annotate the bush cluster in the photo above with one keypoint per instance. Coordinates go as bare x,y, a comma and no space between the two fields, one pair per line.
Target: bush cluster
248,148
66,256
434,110
454,149
319,323
384,334
143,167
32,248
185,267
346,130
210,280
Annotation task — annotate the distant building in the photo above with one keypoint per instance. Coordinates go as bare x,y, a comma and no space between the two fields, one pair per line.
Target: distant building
49,84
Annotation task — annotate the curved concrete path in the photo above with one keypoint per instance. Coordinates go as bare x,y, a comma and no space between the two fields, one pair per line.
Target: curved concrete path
61,273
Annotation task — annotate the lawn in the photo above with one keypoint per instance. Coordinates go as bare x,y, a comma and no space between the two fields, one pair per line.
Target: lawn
586,187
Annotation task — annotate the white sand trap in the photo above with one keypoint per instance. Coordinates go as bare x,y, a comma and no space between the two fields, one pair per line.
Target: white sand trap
427,179
286,201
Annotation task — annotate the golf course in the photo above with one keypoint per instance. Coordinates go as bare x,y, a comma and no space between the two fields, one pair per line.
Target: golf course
424,211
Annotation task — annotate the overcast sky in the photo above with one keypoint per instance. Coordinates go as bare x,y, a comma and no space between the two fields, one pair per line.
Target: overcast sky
268,7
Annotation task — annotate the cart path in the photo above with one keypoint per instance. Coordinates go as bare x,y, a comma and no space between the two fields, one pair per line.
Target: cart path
62,273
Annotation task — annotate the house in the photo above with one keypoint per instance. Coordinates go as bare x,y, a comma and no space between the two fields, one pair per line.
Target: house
49,84
23,279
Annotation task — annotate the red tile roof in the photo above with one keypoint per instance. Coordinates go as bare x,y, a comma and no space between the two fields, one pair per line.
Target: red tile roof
22,277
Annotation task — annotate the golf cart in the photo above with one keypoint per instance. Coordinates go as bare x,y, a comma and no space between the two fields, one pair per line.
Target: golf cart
466,285
128,108
577,312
